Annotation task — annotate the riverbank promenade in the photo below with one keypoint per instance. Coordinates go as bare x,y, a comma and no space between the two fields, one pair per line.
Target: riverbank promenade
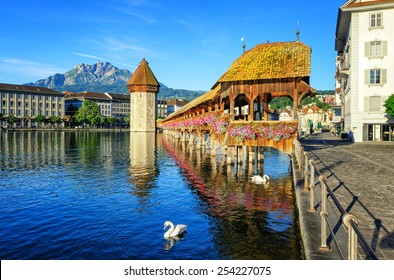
361,175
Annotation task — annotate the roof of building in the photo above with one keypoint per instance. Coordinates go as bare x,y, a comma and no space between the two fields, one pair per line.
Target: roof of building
89,95
271,61
143,75
177,102
358,3
24,88
120,96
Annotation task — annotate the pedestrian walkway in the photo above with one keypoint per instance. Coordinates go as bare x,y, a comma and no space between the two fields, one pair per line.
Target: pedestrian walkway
361,176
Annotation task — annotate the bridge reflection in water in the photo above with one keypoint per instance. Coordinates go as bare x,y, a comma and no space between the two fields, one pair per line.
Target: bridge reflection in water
252,221
105,195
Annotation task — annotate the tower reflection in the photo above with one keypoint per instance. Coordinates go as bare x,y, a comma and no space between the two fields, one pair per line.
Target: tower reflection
143,170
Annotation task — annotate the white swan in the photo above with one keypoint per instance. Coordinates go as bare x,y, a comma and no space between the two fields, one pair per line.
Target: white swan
174,231
261,180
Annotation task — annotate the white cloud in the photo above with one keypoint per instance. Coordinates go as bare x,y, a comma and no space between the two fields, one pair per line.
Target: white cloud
91,56
29,68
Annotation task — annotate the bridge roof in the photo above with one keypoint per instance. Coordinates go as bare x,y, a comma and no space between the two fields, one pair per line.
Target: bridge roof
209,95
271,61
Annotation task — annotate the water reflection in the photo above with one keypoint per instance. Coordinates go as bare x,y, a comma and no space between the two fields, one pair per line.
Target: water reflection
143,169
251,221
105,195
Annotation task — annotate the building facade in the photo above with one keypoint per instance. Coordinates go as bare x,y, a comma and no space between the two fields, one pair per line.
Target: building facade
28,102
175,104
120,105
74,101
162,109
364,68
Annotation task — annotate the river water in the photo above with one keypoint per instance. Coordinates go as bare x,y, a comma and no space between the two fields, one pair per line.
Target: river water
106,195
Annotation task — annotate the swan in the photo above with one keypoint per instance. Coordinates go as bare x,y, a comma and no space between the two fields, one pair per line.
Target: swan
261,180
173,231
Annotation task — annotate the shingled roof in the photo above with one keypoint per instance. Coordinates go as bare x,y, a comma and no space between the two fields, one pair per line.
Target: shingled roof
143,75
271,61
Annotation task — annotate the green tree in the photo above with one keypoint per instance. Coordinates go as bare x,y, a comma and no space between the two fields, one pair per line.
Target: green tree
53,120
89,113
389,104
110,120
67,119
40,119
26,120
11,119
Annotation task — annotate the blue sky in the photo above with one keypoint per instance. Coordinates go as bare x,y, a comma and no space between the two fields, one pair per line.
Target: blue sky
189,44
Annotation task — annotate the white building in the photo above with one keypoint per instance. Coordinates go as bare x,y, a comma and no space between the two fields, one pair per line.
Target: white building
26,103
365,67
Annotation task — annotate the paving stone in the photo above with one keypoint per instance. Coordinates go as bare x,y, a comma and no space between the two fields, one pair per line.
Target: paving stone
361,176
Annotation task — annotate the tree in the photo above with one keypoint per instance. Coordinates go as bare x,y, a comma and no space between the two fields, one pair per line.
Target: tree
11,119
67,119
89,112
40,119
110,120
26,120
53,120
389,104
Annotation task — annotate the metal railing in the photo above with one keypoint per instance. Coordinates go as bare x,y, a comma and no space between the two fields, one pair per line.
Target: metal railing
309,171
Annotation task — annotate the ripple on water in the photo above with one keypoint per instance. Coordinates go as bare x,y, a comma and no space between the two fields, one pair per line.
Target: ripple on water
74,195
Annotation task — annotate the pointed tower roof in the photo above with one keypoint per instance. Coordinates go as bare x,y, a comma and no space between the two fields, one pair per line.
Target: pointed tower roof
143,77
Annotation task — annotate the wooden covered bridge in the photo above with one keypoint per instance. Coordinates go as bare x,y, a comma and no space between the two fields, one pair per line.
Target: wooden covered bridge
235,111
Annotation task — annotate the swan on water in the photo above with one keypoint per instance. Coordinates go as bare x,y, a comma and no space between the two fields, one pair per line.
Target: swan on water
173,231
261,180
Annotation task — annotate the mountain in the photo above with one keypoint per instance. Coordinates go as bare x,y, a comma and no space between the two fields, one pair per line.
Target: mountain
104,77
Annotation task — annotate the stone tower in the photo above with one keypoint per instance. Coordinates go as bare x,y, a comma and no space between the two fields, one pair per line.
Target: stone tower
143,87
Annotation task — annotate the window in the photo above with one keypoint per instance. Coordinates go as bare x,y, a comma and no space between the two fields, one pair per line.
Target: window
375,20
375,76
376,49
373,104
4,103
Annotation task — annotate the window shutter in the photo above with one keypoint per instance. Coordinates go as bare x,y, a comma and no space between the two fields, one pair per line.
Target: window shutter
384,72
366,77
367,48
366,104
384,48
